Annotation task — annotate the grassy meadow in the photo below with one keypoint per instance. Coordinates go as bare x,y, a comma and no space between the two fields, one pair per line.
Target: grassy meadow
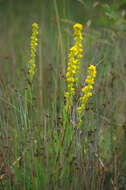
46,143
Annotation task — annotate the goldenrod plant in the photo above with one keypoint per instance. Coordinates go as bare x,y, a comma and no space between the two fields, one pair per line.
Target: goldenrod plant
73,65
33,47
31,64
73,68
86,90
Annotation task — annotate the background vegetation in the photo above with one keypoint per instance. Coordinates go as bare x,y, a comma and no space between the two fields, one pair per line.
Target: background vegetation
33,154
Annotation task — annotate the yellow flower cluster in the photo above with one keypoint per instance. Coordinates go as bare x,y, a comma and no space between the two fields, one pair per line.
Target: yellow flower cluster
73,64
34,39
87,90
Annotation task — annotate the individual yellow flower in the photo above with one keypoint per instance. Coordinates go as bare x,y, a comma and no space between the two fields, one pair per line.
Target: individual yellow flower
73,65
33,46
87,90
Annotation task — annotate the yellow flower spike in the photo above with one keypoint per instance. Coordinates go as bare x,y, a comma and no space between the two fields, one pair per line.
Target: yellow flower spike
86,91
78,26
73,65
87,88
34,39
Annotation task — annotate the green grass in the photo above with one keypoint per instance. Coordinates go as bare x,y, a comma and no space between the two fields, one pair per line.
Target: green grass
39,147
